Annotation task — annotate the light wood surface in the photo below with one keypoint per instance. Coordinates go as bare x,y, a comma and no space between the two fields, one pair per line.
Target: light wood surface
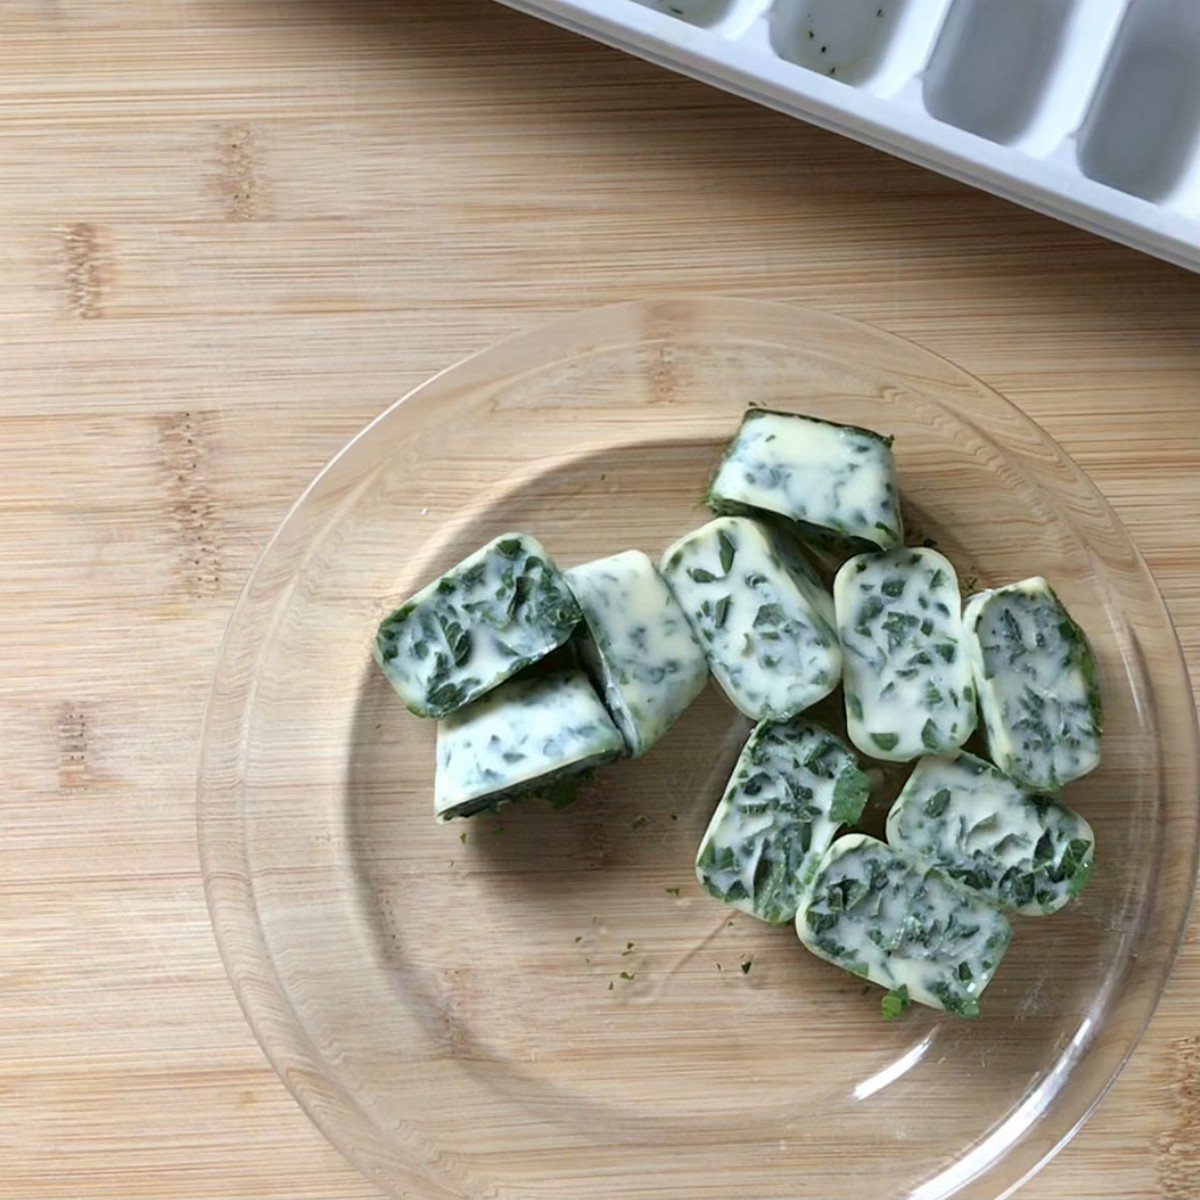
234,231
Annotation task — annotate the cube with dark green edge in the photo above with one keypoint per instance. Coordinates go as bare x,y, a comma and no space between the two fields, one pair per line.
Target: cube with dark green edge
1023,852
499,610
522,737
1039,698
794,786
837,481
881,915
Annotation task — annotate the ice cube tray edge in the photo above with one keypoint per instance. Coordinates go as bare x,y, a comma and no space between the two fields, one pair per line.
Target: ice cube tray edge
1087,110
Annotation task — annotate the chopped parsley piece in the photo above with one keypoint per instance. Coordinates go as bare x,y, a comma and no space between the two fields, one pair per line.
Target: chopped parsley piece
894,1003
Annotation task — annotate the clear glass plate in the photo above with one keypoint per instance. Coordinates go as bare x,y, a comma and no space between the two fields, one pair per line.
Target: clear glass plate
453,1015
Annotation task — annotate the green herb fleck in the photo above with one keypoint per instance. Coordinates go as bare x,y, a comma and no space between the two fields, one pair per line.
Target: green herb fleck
721,611
638,822
747,963
674,891
727,550
462,837
627,975
885,741
894,1003
562,793
850,794
937,803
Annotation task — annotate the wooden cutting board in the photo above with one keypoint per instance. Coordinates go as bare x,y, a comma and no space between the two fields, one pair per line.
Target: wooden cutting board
233,232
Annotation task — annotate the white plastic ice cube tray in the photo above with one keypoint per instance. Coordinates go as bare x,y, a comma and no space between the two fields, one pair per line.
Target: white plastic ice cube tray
1086,109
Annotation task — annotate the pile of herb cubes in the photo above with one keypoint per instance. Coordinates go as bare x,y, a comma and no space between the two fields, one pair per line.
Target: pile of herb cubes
537,674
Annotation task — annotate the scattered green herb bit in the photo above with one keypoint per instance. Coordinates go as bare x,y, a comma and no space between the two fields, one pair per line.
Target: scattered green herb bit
562,793
627,975
638,822
721,611
894,1003
1079,879
885,741
579,937
462,837
747,963
672,891
497,830
610,985
628,949
674,816
967,1007
929,735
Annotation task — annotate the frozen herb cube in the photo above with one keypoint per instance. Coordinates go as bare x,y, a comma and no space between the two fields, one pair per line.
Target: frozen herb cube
760,613
837,480
907,678
499,610
520,737
975,825
638,645
878,913
1036,679
795,784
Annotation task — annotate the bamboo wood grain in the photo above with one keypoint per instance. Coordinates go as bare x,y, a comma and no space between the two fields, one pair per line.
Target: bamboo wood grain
234,231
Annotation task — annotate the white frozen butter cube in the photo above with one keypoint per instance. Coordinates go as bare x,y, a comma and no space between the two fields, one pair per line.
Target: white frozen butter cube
793,787
975,825
1036,680
839,481
761,614
521,736
875,912
907,677
639,645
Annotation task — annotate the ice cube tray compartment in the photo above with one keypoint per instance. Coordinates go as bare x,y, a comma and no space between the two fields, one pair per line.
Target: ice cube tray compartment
696,12
992,62
1141,133
839,38
1086,109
